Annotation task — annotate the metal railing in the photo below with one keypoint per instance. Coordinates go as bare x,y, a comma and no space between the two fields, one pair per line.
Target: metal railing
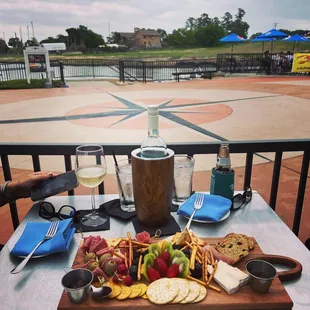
259,63
244,147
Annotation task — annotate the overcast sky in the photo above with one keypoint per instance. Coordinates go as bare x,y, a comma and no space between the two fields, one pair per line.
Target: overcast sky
52,17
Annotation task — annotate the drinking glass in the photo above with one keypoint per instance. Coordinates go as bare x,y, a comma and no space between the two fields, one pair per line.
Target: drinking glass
91,167
183,174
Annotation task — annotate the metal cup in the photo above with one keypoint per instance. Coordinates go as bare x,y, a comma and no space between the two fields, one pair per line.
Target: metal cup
261,275
77,284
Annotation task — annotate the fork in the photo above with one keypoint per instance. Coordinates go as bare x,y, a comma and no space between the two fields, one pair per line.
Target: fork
49,235
197,205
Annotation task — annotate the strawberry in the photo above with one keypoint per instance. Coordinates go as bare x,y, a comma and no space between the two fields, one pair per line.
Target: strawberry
153,274
116,278
165,256
127,280
122,269
173,271
160,266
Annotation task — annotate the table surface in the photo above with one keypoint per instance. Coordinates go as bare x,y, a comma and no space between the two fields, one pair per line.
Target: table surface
38,286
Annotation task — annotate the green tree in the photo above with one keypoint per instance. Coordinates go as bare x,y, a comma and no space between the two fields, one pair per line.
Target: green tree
32,42
163,34
15,42
114,38
3,47
209,35
204,20
92,39
191,23
254,35
227,21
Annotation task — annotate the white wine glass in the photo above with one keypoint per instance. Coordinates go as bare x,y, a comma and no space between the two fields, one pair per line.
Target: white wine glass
90,169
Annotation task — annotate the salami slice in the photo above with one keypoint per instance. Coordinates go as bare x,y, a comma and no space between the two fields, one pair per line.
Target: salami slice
93,244
86,243
100,246
144,237
105,251
97,272
84,265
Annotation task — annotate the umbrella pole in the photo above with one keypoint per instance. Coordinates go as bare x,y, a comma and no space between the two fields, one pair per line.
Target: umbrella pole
232,47
271,46
294,46
263,47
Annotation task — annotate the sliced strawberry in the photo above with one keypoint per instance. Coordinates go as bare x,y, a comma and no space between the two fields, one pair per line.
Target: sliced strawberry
161,266
165,256
153,274
173,271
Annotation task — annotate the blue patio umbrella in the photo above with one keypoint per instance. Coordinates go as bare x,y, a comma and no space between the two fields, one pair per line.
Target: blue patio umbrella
273,34
296,38
233,38
263,40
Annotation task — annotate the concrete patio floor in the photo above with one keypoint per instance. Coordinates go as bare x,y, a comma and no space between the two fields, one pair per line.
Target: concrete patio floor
224,108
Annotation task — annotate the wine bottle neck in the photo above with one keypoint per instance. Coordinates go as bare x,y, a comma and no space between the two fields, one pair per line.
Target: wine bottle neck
153,126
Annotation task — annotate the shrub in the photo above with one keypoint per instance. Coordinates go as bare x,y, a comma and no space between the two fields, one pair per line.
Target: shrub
22,84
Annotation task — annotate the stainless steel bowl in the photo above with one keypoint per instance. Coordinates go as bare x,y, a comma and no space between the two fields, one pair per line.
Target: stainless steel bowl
77,284
261,275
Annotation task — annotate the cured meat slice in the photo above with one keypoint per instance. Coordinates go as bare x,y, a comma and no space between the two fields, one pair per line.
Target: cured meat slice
105,251
86,243
144,237
97,272
84,265
93,243
102,244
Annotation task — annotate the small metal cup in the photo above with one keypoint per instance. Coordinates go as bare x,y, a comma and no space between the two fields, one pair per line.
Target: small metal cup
261,274
77,284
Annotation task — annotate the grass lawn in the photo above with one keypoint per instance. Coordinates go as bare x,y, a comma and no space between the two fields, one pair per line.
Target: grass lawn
174,53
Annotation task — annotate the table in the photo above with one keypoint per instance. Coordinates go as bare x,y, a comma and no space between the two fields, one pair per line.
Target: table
38,286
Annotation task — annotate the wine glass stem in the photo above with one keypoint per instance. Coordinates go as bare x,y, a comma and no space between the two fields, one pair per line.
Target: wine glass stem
93,200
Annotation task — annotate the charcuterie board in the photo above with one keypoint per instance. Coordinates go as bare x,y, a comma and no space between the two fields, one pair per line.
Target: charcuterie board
245,298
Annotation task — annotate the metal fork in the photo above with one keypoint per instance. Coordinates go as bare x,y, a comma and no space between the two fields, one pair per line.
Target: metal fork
197,205
52,230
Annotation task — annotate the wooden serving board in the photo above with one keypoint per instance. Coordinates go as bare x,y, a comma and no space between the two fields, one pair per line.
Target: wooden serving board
245,298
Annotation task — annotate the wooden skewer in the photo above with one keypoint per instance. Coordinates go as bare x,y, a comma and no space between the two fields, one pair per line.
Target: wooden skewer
119,254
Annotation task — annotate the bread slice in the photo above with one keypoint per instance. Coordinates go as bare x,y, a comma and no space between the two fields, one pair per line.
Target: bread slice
243,239
235,246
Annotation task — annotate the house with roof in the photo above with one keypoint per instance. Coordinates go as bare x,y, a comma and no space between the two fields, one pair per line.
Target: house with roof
141,38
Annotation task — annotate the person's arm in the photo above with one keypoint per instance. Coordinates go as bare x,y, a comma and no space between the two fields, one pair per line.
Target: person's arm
22,189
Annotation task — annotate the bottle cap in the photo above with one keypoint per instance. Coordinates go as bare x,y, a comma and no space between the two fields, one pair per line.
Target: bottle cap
152,110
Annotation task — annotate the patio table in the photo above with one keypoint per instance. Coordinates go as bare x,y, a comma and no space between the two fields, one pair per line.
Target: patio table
38,286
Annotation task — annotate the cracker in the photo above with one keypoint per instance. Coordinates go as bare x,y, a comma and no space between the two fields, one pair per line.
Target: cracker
144,296
126,291
135,291
162,291
116,290
143,288
183,286
202,294
194,290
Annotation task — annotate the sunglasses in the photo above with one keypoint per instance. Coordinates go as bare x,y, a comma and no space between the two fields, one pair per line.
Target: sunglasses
240,200
47,211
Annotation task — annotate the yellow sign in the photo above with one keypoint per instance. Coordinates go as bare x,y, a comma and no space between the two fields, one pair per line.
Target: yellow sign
301,62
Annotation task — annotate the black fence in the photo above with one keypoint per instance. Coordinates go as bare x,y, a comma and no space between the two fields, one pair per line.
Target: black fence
144,71
275,64
243,147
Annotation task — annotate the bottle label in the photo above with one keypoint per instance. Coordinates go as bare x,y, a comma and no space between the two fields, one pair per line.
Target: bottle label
223,161
153,122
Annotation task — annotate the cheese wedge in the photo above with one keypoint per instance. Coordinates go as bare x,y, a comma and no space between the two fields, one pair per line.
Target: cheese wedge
228,277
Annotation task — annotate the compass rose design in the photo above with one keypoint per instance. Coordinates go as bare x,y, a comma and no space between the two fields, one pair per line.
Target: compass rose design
132,114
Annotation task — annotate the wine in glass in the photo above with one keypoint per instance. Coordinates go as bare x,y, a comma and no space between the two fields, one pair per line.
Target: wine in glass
90,170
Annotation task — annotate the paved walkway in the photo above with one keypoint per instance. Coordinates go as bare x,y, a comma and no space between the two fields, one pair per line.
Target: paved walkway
224,108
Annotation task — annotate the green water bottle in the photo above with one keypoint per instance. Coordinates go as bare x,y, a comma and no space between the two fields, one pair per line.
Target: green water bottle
223,177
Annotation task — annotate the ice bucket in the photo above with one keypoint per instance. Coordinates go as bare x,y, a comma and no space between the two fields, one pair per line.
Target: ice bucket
152,187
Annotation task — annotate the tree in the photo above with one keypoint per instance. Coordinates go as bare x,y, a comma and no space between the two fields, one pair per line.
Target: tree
240,14
204,20
15,42
254,35
32,42
163,35
3,47
92,39
114,38
227,21
191,23
209,35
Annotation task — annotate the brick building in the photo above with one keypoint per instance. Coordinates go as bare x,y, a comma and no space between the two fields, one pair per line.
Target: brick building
141,38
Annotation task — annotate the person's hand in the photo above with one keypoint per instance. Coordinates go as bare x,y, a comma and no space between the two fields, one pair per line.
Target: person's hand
22,188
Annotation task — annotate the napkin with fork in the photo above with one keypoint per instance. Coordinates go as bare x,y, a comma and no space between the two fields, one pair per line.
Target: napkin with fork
34,232
213,209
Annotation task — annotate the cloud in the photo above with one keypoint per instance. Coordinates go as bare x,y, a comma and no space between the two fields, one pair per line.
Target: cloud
53,17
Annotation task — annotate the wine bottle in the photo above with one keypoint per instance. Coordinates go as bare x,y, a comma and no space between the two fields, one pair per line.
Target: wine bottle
153,146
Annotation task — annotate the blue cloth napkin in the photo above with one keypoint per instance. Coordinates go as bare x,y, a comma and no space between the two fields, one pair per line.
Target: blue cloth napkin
213,209
34,232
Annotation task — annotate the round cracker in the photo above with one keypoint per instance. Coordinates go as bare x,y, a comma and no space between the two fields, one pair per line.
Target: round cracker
135,291
144,296
116,290
162,291
194,290
183,286
126,291
143,288
202,294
